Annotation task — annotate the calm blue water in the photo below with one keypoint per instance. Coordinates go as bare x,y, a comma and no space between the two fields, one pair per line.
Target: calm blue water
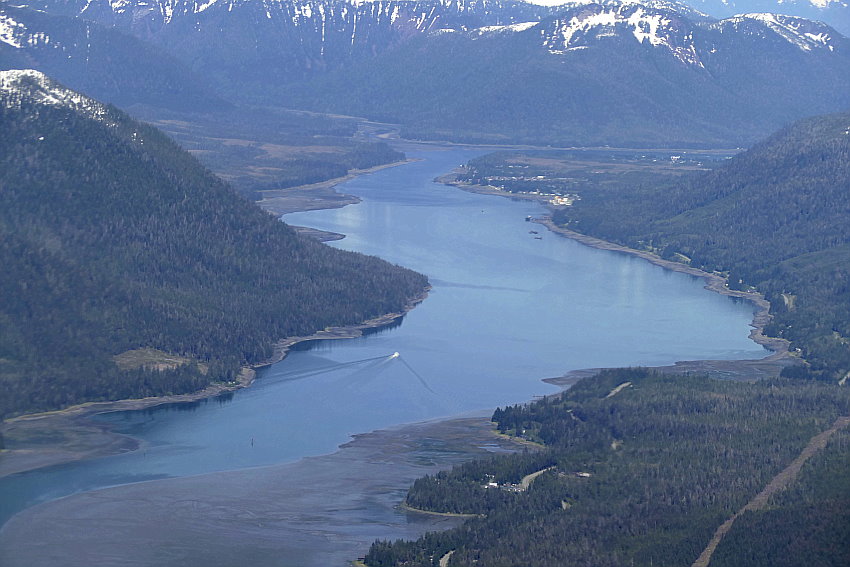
506,311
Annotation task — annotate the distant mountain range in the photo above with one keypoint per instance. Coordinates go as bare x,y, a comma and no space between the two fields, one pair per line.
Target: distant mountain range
579,73
836,13
624,74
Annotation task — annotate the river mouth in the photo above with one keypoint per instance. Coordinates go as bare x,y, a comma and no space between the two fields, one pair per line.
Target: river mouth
506,310
317,512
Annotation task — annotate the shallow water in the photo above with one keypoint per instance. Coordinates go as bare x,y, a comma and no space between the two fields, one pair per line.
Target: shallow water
506,310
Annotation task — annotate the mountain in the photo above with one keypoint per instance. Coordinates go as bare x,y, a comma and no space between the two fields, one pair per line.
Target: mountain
259,43
774,217
835,13
579,73
99,61
623,74
129,270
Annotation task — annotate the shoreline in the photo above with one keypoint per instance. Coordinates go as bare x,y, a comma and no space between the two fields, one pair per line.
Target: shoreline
75,437
90,439
317,196
714,282
317,511
283,346
408,508
496,146
72,436
779,357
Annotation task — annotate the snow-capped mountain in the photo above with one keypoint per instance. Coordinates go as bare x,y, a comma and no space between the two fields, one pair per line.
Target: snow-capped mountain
806,35
686,40
259,40
21,86
281,37
100,61
583,28
835,13
576,71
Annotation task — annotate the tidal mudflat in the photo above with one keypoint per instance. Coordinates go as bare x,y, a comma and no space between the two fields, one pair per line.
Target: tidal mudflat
317,512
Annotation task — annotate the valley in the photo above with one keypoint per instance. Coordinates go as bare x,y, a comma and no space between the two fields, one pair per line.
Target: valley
262,150
454,321
143,144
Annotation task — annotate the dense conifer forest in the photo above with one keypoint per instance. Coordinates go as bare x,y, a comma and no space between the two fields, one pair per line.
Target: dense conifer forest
640,468
810,520
113,239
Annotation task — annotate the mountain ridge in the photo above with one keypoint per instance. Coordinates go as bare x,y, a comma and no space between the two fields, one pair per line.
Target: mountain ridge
100,61
586,73
149,19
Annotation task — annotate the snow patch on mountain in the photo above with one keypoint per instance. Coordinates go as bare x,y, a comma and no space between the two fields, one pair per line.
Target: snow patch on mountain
680,7
520,27
167,9
202,7
28,85
17,35
118,5
649,27
804,34
575,28
11,31
657,28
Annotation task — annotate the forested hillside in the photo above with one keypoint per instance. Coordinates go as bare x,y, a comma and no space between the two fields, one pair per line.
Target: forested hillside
810,520
254,148
113,239
774,217
640,468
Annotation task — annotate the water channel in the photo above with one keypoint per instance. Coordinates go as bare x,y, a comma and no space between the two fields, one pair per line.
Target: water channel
506,310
